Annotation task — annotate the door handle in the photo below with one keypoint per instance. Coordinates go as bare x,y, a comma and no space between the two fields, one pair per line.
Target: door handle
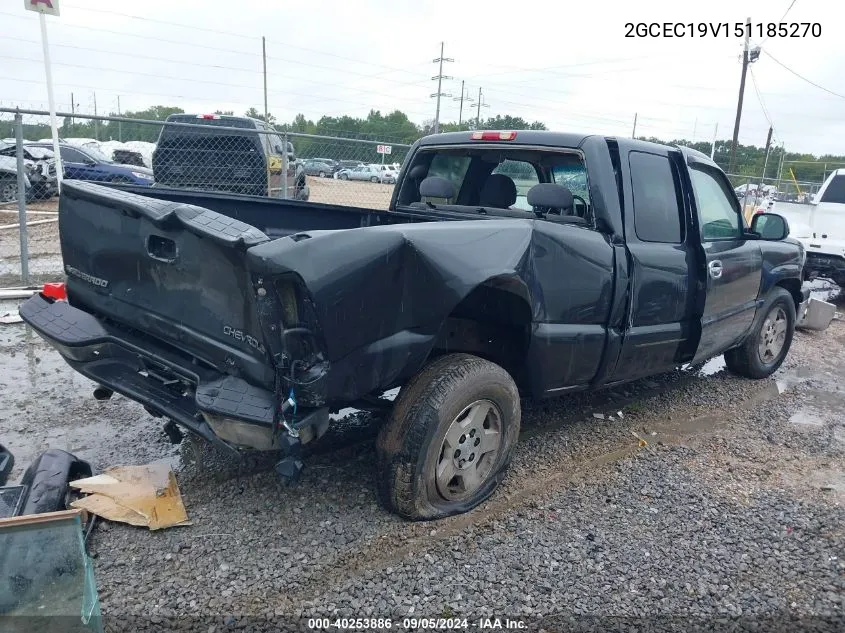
715,268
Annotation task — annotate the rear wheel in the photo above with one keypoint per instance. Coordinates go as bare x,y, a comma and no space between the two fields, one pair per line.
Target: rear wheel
767,345
343,177
8,188
449,439
322,174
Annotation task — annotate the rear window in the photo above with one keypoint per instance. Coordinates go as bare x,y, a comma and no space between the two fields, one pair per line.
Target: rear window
835,191
470,171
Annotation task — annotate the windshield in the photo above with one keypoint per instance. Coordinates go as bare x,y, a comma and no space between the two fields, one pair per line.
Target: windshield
96,154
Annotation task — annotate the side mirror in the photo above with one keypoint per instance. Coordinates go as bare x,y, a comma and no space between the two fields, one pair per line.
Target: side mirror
770,226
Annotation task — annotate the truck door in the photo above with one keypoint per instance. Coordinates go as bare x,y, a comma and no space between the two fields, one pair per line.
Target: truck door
662,263
730,265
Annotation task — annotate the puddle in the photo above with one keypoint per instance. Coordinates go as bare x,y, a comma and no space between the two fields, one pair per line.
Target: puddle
807,417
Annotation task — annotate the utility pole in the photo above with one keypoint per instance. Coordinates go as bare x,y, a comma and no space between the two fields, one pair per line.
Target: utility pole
780,167
96,123
72,111
713,148
694,129
463,96
264,60
748,57
119,124
481,104
634,132
766,160
440,77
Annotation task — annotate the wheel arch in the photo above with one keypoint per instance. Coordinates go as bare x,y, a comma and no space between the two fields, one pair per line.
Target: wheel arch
492,321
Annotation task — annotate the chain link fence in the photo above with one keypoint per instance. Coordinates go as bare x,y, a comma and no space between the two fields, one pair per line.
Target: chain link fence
217,153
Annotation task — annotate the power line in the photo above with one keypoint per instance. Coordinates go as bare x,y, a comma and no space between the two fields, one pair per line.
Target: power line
800,76
781,20
760,100
240,35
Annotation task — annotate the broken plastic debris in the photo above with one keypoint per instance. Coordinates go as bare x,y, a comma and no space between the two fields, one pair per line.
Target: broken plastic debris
619,413
11,317
598,416
641,441
146,496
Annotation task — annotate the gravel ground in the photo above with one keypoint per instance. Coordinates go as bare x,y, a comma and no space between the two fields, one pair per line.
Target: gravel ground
710,501
733,509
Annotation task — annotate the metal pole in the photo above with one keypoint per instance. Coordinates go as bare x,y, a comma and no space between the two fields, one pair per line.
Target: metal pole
634,133
22,196
741,93
285,165
461,110
119,124
264,61
72,122
96,124
765,161
439,81
478,116
713,149
694,129
780,167
52,101
745,197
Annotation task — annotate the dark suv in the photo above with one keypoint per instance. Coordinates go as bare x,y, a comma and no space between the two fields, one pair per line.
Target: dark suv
209,154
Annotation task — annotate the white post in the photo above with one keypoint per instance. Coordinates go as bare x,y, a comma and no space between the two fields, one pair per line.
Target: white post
53,126
713,149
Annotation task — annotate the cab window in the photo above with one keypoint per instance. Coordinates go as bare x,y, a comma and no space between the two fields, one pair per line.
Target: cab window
717,213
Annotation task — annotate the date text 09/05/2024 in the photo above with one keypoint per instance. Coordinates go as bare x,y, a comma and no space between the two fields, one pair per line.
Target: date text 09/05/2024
723,29
415,624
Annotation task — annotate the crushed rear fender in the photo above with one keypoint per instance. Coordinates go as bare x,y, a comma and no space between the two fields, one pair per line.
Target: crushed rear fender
380,295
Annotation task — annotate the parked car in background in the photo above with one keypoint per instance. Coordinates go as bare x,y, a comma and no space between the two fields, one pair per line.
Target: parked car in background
328,161
315,167
41,169
373,173
237,154
9,180
388,173
89,163
349,164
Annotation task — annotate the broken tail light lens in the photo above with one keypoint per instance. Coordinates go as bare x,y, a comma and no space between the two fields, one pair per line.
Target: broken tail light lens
55,291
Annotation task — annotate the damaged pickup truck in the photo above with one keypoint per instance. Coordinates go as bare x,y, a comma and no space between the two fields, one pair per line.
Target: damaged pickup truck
509,264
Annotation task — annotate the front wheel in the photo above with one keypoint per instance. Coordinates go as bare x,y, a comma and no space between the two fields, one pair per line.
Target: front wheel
373,179
449,439
343,177
322,174
770,339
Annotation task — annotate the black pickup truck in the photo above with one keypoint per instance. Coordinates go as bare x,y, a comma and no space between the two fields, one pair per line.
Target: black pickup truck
509,263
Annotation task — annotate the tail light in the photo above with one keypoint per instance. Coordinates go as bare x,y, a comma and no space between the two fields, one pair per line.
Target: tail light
55,291
493,136
214,117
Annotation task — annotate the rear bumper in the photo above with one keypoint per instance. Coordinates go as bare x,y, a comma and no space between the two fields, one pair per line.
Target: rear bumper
223,409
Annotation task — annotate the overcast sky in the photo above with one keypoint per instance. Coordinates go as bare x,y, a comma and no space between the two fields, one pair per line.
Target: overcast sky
568,64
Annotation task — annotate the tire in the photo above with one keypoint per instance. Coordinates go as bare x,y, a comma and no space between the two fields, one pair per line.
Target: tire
374,179
431,427
343,177
322,174
8,189
750,359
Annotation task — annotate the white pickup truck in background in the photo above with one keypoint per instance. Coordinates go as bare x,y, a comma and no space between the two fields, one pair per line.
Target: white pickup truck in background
824,237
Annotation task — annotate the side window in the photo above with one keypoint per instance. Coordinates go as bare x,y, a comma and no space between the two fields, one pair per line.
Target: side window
657,203
835,191
72,156
717,214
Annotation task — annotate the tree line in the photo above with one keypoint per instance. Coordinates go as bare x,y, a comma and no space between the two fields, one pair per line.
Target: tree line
396,128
